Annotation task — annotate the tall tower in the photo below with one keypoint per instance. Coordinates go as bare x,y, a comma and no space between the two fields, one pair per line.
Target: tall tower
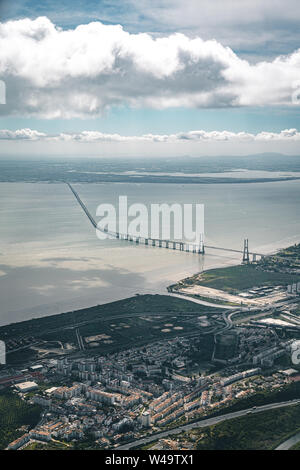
246,251
201,244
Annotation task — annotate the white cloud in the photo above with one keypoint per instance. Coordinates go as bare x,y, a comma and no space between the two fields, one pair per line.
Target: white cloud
52,73
257,28
181,137
254,26
21,134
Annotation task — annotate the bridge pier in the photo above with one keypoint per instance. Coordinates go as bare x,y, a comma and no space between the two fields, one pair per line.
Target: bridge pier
201,250
246,258
146,241
153,242
160,243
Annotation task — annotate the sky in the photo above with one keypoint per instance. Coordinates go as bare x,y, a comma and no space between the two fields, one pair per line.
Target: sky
134,77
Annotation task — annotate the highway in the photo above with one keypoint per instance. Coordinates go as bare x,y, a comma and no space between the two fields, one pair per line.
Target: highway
206,422
79,340
229,310
286,445
83,206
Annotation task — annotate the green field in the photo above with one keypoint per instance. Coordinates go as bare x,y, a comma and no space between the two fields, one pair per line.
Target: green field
235,279
15,413
131,322
138,304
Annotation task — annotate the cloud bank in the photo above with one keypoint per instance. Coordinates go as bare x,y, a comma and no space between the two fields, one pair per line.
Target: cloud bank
254,27
287,135
81,72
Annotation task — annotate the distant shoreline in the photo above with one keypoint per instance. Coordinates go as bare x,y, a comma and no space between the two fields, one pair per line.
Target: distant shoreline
156,180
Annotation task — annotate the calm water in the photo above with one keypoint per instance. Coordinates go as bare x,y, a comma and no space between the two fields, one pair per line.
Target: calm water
51,260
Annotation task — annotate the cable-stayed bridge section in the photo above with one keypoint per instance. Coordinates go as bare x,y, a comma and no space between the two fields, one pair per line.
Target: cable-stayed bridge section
169,244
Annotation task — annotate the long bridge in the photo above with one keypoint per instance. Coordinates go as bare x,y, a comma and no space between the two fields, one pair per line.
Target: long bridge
169,244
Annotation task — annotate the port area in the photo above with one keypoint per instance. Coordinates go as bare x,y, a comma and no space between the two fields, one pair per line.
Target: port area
261,284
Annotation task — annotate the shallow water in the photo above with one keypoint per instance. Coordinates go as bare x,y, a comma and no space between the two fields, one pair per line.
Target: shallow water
51,260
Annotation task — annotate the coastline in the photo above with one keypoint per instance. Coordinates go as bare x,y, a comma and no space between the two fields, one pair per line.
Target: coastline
175,290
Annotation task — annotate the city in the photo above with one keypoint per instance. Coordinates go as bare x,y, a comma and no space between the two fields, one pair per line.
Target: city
149,230
129,398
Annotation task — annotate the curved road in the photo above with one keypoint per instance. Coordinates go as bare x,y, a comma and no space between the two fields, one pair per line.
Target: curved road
229,310
207,422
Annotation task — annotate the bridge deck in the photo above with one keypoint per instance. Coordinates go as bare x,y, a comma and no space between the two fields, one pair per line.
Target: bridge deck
169,244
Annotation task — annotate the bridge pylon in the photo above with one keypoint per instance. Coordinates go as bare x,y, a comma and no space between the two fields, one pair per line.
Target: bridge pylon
246,258
201,250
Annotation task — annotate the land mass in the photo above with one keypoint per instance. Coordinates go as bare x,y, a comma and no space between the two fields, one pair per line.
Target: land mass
150,364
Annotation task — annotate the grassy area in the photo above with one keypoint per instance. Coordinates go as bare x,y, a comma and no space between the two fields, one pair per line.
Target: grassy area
289,258
226,345
48,446
133,321
295,447
263,397
138,304
234,279
260,431
15,413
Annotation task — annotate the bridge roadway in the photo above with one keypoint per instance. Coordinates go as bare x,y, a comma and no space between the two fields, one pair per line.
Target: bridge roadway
170,244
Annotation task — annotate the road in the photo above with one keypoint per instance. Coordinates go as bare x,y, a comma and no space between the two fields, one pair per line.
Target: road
203,302
286,445
79,340
206,422
229,311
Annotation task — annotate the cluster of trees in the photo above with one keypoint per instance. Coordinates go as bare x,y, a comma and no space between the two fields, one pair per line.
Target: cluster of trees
286,393
15,413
